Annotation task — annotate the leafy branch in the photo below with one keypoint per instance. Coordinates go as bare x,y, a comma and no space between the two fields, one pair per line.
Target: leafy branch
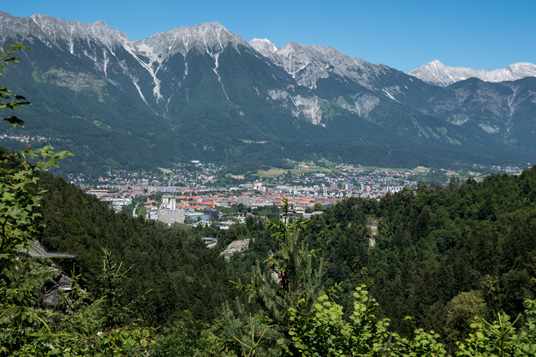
9,100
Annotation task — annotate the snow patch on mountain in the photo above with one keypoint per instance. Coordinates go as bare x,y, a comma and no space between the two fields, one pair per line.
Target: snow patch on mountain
216,57
389,94
437,73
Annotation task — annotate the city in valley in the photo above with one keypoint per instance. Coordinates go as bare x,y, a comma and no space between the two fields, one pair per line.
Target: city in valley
198,193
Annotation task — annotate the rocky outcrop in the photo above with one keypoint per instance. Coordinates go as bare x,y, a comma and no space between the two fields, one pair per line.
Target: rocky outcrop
236,246
57,290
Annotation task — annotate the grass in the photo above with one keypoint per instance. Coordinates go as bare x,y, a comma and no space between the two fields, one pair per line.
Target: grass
271,173
421,169
305,170
449,172
382,168
236,177
275,171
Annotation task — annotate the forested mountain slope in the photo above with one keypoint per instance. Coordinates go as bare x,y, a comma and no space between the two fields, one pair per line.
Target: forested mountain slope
172,265
434,245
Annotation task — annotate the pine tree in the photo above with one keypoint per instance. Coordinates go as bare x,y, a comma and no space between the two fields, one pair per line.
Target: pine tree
289,280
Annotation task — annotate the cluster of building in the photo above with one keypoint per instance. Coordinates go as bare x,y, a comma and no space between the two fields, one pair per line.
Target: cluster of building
190,192
193,174
170,211
24,138
190,195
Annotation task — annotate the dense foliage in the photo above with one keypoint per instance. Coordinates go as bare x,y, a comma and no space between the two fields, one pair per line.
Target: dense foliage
172,263
433,247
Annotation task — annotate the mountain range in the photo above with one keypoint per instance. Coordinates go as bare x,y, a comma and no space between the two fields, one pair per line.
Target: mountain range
202,92
437,73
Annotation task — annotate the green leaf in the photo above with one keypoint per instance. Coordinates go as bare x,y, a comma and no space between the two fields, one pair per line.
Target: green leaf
14,121
130,342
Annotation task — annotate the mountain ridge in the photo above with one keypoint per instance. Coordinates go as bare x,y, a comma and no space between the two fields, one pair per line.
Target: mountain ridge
437,73
433,72
203,92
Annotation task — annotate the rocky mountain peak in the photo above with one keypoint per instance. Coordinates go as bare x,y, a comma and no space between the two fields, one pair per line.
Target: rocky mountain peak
210,37
308,64
48,30
522,70
437,73
264,46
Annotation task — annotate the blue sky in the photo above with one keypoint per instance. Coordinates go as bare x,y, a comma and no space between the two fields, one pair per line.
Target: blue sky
401,34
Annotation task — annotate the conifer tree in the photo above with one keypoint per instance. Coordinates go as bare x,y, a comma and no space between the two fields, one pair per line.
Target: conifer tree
290,279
